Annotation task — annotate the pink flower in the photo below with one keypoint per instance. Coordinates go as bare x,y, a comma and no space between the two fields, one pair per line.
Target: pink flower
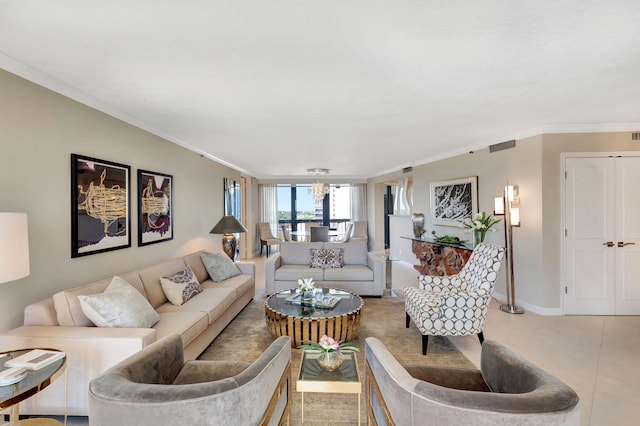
327,343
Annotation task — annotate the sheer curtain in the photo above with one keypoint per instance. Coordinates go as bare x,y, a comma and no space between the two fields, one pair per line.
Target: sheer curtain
269,206
358,202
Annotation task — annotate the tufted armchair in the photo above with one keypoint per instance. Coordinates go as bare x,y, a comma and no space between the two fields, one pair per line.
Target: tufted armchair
455,305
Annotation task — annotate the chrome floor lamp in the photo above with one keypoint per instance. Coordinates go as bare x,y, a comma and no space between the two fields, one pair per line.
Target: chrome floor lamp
508,205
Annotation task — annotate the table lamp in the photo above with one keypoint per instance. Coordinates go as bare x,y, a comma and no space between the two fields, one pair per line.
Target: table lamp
227,226
14,246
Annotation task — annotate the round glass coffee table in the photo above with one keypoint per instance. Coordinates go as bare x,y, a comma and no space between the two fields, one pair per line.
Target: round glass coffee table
333,312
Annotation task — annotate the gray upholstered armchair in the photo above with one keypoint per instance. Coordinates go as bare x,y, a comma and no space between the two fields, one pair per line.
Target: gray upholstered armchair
156,387
507,390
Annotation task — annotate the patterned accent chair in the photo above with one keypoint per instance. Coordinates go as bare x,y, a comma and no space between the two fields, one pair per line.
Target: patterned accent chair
455,305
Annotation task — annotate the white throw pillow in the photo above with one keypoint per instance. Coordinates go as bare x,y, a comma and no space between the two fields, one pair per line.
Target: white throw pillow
180,286
120,305
219,266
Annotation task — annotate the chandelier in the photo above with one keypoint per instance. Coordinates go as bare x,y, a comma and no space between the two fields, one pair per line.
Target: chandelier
318,189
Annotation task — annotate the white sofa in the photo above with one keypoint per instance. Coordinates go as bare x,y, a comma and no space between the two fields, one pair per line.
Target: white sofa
58,322
363,273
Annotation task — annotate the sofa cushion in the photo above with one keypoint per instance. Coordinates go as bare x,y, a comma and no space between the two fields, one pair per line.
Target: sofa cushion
349,273
188,325
327,258
241,284
181,286
67,304
219,266
120,305
151,279
355,253
293,253
295,272
194,261
213,301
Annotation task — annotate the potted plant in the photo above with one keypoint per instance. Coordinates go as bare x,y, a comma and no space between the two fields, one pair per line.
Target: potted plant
480,224
306,288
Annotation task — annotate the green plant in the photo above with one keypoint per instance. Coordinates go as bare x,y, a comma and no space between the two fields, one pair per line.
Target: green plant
480,222
305,284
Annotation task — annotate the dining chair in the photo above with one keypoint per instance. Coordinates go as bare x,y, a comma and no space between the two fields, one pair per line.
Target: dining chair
266,237
360,231
285,233
347,233
320,233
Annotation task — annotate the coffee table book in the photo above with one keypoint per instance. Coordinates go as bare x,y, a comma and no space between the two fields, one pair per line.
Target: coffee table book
35,359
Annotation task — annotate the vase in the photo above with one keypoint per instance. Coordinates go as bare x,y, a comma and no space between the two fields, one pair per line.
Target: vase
478,236
307,296
418,224
330,361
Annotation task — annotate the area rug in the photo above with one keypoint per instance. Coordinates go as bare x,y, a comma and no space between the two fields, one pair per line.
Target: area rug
384,318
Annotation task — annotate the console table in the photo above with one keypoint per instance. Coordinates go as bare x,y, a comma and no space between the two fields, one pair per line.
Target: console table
439,258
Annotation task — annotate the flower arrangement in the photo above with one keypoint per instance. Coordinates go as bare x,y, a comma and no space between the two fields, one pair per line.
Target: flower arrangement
306,284
480,223
327,344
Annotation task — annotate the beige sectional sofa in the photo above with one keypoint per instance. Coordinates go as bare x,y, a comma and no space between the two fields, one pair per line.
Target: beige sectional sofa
361,272
59,322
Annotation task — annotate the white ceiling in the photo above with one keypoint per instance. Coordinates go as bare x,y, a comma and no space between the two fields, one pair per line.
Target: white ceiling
362,87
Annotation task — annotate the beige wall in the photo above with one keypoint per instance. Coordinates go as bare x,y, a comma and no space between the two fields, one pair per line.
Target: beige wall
39,130
534,165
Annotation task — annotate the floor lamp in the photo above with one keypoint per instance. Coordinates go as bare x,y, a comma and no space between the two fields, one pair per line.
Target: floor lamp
508,205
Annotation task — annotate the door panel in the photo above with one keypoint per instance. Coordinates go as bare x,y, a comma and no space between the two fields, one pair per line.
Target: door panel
589,219
627,235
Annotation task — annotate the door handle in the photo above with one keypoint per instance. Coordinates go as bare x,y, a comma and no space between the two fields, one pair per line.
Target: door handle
608,244
622,244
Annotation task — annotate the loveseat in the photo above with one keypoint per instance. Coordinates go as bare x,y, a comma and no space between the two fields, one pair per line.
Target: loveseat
60,322
346,266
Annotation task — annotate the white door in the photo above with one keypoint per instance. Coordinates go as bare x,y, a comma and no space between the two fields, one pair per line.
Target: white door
602,237
627,236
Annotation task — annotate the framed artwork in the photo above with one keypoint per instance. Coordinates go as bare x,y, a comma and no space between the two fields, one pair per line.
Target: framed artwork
100,219
155,207
453,200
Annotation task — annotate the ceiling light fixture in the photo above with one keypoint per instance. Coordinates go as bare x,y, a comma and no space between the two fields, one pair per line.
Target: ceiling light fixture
318,189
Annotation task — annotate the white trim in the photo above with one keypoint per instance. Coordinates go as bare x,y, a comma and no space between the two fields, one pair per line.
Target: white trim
501,298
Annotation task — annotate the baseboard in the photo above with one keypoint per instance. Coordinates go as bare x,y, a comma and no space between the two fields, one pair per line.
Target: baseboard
501,298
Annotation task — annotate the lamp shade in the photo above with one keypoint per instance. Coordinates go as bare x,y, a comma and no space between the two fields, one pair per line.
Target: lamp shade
228,225
14,246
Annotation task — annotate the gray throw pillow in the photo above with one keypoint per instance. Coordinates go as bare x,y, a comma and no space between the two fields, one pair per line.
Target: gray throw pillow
219,266
120,305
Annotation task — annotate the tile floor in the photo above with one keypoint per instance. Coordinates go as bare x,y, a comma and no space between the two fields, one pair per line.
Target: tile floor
596,355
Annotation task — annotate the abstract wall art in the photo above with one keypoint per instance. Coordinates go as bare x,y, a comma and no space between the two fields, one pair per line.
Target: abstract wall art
453,200
100,219
155,207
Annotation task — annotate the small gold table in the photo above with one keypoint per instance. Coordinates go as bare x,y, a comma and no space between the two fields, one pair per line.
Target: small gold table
34,382
306,322
313,378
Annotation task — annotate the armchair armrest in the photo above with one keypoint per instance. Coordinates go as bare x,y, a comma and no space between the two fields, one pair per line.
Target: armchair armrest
442,284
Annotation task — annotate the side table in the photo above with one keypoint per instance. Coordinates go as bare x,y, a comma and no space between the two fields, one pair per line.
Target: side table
313,378
34,382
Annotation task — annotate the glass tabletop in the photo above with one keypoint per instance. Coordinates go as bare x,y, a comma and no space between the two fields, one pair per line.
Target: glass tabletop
34,382
311,370
286,303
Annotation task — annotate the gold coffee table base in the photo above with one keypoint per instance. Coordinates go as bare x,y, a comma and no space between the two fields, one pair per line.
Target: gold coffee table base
342,327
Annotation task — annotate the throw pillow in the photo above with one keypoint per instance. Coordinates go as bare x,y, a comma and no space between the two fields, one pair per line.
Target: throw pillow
180,286
219,266
120,305
327,258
